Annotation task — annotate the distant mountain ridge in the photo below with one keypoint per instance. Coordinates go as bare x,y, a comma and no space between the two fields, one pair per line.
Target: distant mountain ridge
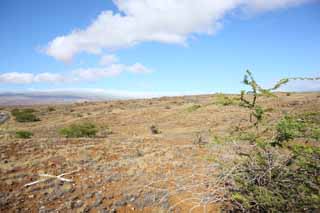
31,98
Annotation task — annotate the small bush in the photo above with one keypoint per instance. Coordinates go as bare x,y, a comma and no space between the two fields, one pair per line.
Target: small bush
194,108
288,128
24,134
248,136
51,109
316,134
154,130
225,100
88,130
24,115
272,182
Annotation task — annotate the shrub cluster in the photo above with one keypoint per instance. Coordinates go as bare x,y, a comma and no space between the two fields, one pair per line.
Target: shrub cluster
225,100
51,109
288,128
154,130
298,126
273,178
87,130
24,134
194,108
25,115
270,182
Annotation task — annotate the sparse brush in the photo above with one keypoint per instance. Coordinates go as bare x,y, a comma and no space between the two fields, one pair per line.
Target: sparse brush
270,181
51,109
316,134
288,128
87,130
25,115
24,134
154,130
194,108
257,91
225,100
298,126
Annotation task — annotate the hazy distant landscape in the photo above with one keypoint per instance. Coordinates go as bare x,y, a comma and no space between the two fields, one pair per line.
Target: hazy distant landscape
7,99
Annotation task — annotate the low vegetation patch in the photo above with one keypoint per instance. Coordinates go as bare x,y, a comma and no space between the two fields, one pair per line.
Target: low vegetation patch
298,126
51,109
154,130
24,134
289,128
194,108
277,178
25,115
224,100
84,130
269,181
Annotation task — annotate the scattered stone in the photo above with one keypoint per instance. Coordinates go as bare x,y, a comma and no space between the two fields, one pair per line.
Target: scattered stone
89,195
43,209
4,199
87,209
200,140
3,117
103,210
78,204
147,200
119,203
130,198
113,178
98,202
9,182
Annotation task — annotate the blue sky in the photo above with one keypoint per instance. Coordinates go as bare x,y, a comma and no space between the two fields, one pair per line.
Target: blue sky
155,46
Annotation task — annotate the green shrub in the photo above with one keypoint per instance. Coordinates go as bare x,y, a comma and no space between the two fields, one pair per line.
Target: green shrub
289,128
269,181
51,109
88,130
24,115
154,129
225,100
316,133
24,134
194,108
248,136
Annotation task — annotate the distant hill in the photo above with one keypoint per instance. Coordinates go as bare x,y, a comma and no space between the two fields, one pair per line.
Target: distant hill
31,98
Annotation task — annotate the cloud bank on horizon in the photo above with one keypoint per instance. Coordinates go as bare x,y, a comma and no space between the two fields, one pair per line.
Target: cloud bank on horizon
162,21
85,74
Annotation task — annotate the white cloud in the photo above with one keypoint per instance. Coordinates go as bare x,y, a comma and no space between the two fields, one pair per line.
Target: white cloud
138,68
110,71
265,5
164,21
28,78
96,73
49,77
108,59
301,86
16,78
88,74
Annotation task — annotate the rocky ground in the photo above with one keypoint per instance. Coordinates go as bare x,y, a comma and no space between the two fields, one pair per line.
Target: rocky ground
127,167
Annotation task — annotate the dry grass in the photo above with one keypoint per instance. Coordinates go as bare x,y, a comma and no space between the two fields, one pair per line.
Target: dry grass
131,169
